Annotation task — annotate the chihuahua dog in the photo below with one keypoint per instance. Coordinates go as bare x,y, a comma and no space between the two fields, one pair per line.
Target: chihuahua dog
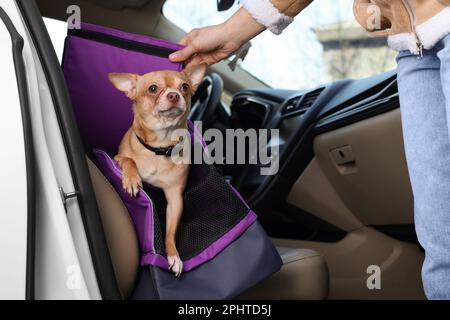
161,104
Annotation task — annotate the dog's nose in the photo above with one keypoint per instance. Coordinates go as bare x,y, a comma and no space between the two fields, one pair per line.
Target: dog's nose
173,97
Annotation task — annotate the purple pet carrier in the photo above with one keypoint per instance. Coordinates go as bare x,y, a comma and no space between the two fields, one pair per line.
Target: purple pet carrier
224,249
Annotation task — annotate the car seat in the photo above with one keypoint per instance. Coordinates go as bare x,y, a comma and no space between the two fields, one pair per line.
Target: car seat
304,274
131,224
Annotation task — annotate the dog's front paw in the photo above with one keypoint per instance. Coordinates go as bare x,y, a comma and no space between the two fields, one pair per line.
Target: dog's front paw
175,265
131,184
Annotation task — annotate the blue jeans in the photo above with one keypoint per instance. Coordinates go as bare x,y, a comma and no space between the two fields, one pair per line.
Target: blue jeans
424,87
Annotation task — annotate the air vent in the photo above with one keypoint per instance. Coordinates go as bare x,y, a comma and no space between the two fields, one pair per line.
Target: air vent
309,98
299,105
291,105
250,112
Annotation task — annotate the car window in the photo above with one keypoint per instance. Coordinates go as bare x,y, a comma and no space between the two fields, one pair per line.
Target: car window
323,44
57,30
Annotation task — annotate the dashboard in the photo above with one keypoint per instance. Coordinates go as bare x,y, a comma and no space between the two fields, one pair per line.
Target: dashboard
299,116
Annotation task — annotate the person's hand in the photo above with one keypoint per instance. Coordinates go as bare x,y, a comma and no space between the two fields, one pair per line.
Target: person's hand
215,43
209,44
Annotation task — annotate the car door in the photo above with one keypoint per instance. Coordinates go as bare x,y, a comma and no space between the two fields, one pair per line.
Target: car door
51,241
17,211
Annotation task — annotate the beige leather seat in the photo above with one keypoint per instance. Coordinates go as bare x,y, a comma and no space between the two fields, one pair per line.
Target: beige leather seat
304,274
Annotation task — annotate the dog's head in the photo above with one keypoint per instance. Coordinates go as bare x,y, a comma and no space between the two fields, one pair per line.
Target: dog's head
162,98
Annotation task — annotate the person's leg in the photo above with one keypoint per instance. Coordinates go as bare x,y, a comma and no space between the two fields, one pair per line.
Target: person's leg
427,148
439,257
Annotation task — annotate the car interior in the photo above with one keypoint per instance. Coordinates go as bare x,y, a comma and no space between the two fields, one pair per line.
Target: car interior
341,200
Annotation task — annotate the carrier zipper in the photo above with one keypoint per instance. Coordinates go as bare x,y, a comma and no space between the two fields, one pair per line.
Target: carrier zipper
122,43
412,17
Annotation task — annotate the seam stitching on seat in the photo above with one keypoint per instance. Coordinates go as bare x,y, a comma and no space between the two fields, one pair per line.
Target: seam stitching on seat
303,258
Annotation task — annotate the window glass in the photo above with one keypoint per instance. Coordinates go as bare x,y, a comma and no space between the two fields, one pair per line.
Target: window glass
57,31
322,45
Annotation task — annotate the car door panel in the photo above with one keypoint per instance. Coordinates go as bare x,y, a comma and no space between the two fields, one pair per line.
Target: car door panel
14,212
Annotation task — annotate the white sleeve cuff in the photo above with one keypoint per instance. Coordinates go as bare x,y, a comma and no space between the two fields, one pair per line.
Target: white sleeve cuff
265,13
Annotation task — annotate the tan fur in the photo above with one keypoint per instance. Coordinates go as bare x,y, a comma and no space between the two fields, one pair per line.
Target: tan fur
155,128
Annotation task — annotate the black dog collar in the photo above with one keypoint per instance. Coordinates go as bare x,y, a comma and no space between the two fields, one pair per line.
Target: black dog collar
161,151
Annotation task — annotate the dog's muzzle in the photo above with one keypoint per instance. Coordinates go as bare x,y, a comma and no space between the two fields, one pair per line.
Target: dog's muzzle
171,113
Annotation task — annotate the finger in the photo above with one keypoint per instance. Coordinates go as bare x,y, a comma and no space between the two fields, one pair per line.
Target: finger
184,41
195,60
183,54
207,58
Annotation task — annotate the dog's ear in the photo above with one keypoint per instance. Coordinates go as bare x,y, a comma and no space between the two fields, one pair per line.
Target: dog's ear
196,74
125,82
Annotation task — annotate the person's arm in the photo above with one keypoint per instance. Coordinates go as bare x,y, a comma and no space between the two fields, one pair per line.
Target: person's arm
215,43
275,15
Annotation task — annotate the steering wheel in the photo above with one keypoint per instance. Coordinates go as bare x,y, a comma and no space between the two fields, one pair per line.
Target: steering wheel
206,100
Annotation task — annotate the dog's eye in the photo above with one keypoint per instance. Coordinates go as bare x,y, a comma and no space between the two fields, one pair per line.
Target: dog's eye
184,87
153,88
